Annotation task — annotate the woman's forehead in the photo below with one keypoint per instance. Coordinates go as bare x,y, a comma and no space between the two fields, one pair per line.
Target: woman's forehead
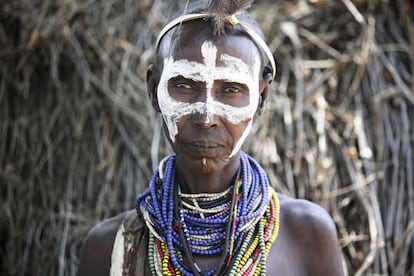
187,41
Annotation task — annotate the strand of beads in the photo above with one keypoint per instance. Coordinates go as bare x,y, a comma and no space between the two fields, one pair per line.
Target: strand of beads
256,245
203,236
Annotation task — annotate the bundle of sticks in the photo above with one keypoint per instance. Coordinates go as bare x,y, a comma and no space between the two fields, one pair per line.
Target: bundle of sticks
79,139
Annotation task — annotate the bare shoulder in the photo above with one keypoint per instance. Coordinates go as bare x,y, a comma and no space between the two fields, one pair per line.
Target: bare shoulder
306,217
308,238
97,248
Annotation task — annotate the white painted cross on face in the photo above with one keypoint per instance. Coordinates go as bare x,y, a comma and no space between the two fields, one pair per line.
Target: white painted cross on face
233,70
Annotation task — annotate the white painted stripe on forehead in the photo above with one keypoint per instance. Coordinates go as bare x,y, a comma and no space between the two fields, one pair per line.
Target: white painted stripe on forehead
209,53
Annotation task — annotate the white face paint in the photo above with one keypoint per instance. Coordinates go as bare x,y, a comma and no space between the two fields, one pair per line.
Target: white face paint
233,70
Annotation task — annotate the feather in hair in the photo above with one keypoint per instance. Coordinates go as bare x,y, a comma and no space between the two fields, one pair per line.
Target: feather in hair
222,8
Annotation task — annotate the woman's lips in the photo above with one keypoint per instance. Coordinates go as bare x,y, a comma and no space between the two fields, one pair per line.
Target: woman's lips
205,148
205,144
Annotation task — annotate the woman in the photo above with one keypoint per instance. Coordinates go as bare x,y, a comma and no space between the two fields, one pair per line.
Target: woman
209,209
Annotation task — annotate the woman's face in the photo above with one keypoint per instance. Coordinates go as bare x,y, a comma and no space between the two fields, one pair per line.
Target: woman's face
208,94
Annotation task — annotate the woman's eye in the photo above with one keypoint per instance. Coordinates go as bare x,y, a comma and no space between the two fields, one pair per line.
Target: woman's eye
183,86
232,90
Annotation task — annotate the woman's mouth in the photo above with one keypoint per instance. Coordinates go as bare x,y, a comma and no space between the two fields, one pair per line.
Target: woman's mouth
205,148
205,144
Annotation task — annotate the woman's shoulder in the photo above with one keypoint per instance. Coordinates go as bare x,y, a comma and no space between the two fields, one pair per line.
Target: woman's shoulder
296,213
97,248
300,209
306,221
312,232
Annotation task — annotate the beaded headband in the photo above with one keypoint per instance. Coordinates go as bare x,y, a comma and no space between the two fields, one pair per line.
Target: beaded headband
233,20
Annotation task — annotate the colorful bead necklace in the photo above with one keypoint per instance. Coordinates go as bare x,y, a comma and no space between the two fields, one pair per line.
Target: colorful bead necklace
239,224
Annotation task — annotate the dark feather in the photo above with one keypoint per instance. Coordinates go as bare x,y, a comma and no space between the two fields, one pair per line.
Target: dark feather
222,8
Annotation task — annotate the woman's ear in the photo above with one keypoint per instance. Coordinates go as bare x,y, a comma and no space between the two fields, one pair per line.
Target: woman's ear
153,78
264,86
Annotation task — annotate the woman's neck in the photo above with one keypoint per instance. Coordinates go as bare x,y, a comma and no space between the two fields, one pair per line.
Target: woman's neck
195,182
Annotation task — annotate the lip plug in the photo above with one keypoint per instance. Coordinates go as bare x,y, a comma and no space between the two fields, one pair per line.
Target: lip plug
204,161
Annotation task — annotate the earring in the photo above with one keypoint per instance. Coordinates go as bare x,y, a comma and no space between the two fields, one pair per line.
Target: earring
267,70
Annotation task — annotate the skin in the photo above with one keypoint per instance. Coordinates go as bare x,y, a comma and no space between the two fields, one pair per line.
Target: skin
307,243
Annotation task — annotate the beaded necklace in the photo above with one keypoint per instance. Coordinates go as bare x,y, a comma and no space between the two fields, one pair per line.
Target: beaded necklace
239,224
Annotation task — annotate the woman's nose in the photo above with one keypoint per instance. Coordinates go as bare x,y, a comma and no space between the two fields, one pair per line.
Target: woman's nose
205,120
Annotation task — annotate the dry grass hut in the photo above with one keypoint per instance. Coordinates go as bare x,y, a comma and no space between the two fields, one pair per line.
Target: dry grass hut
78,139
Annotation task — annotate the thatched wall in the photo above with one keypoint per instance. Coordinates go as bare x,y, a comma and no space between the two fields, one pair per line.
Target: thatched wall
78,139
